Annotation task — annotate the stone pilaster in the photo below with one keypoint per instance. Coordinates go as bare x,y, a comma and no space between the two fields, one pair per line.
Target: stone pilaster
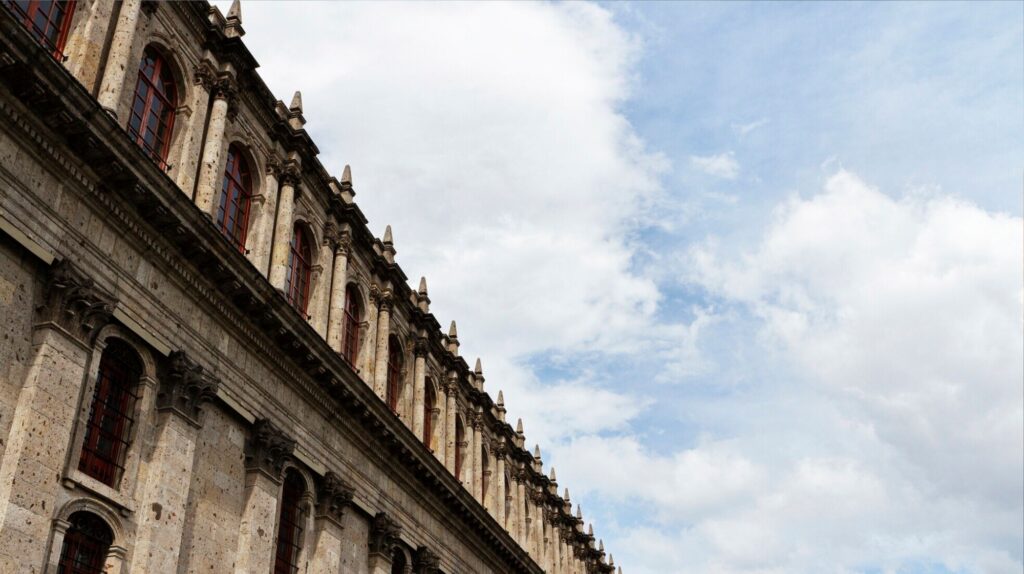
499,483
203,77
319,305
281,248
43,421
419,381
522,526
183,388
85,49
380,368
449,422
266,451
334,495
384,536
477,458
211,169
119,63
264,208
339,282
368,351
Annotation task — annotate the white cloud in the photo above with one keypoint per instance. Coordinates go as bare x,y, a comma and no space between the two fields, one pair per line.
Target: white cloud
723,165
743,130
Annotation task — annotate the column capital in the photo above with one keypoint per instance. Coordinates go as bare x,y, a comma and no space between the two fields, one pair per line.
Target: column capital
185,387
344,245
273,166
333,497
267,449
204,74
421,347
384,535
75,303
386,300
290,174
425,562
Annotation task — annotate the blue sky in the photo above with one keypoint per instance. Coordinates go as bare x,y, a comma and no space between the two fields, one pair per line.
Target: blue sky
750,273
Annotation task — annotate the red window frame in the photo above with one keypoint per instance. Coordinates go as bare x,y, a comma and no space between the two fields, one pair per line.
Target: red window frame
394,372
428,412
86,545
111,414
350,344
151,121
290,525
300,268
49,22
235,199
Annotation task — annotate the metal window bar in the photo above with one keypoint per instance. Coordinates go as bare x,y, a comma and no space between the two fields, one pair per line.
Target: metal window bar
111,416
152,115
86,544
289,538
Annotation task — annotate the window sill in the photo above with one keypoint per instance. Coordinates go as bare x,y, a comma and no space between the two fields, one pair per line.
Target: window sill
78,480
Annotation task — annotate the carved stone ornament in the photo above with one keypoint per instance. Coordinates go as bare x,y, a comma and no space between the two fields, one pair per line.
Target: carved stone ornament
384,535
290,174
421,347
185,387
331,235
387,300
267,449
344,246
204,75
425,562
333,496
273,166
75,303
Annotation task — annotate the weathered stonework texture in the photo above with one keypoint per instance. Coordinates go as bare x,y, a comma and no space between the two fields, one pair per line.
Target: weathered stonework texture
157,381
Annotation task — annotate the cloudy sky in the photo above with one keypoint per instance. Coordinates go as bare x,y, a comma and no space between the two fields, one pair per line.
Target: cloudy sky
750,273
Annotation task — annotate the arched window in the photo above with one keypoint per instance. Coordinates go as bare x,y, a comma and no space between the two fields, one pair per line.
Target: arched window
86,545
353,314
299,268
429,401
111,413
153,105
460,438
47,20
394,372
397,562
290,524
235,196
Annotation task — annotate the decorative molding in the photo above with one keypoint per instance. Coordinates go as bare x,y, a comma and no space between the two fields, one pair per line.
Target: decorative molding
75,303
267,449
333,496
273,167
185,387
290,174
425,562
384,535
421,347
204,74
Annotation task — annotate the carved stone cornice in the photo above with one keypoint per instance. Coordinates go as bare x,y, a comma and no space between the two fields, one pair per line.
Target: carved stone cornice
333,497
74,303
267,449
384,535
425,562
421,347
185,387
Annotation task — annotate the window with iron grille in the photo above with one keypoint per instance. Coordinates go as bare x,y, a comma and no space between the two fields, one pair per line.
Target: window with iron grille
290,525
299,269
235,197
394,372
353,313
47,20
86,545
111,413
153,106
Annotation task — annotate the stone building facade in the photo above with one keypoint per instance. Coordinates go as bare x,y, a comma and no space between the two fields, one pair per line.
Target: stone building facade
209,364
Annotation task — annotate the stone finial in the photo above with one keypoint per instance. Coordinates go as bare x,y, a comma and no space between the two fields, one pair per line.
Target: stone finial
233,22
267,449
295,117
579,512
423,286
453,340
235,12
519,427
346,175
425,562
388,238
333,496
553,478
611,560
501,399
566,495
478,368
620,569
536,451
590,529
389,245
185,387
384,535
600,545
75,303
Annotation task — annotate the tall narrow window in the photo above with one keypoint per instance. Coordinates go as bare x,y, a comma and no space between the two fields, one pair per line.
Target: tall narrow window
397,562
152,116
290,524
235,196
428,412
460,438
47,20
299,269
394,372
86,545
111,413
353,314
485,479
